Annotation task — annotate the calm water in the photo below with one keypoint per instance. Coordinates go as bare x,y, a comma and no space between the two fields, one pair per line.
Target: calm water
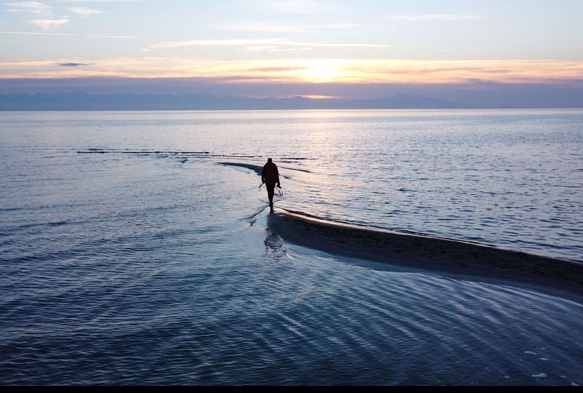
131,255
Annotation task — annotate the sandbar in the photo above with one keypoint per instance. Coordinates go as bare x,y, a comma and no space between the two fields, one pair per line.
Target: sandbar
415,251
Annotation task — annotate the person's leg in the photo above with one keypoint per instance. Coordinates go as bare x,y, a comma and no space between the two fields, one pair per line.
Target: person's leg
270,193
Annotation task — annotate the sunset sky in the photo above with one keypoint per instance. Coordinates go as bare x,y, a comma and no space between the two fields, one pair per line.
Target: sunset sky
307,43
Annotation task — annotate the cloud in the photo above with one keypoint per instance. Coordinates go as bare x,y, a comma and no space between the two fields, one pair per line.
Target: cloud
28,6
227,42
50,23
73,64
306,69
254,44
84,12
116,37
278,27
35,33
36,7
434,17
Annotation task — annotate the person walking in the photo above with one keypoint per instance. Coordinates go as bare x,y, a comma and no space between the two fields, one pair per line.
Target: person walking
270,177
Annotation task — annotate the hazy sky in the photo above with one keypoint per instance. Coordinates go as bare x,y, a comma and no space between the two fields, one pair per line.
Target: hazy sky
306,41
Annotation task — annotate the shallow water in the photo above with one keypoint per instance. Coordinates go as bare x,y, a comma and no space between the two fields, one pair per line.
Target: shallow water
131,256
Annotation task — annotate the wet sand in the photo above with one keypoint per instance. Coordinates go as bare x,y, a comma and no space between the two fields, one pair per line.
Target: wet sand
418,252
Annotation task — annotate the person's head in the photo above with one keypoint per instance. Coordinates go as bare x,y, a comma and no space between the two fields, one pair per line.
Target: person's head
269,160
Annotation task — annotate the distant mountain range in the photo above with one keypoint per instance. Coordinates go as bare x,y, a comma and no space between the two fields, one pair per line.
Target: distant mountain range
108,102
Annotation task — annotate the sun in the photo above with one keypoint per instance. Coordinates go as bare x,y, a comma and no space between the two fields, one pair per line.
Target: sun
320,71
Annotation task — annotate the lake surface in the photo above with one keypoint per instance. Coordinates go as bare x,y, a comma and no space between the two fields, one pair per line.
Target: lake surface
134,248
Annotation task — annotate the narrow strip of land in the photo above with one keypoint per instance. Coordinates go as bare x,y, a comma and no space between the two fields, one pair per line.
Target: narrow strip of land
424,252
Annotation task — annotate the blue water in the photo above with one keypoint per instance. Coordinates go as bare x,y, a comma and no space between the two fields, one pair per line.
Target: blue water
131,255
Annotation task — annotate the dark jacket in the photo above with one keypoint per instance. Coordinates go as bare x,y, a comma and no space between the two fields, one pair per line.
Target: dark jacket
270,174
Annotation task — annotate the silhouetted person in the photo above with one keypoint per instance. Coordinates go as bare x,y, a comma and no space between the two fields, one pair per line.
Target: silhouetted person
270,177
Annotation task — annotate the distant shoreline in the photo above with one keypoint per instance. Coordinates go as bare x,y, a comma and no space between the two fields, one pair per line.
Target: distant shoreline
191,102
